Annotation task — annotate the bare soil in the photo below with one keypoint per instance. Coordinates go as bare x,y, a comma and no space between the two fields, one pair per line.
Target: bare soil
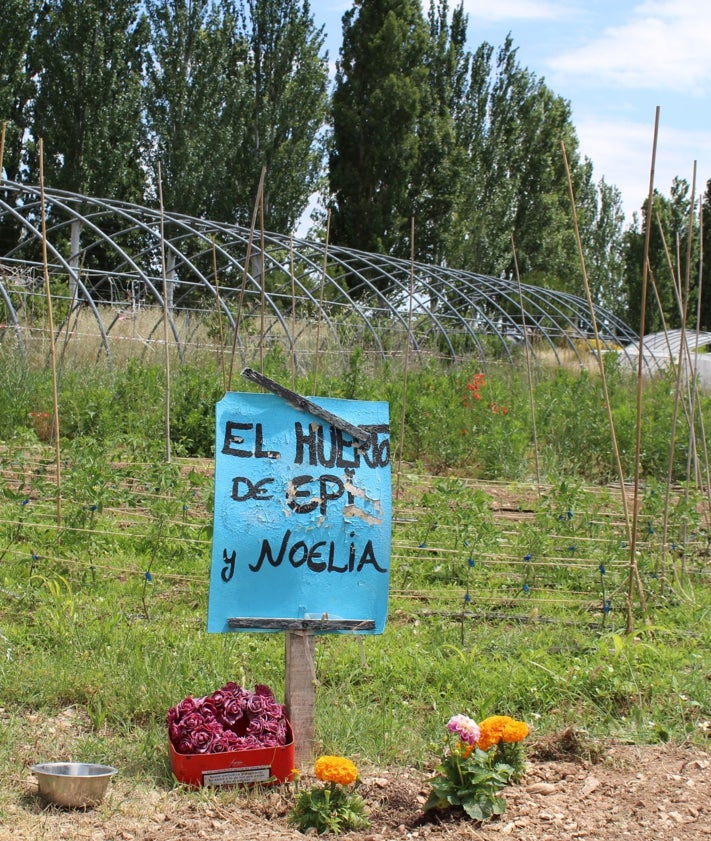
614,791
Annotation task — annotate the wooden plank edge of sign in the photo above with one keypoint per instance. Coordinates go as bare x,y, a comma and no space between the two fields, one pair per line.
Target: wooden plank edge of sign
358,434
276,624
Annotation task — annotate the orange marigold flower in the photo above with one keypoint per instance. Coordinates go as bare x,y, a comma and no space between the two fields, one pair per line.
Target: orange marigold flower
335,769
500,728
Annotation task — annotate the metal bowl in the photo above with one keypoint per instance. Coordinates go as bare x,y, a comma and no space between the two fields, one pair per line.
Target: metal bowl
73,783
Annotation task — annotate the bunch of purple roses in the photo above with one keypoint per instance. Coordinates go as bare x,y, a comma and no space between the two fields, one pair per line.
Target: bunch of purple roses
232,718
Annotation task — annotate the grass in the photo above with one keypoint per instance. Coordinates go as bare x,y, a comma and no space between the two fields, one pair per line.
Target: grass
505,597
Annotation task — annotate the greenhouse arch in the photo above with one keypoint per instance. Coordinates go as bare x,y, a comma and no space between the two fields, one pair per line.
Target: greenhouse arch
113,260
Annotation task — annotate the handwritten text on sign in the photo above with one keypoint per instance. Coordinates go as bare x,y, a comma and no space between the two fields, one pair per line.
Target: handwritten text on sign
302,512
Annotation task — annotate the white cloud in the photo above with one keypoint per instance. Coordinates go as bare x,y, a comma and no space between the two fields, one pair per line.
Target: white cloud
515,9
663,46
621,152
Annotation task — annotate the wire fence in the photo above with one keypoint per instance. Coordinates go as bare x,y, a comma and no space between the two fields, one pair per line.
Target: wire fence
463,550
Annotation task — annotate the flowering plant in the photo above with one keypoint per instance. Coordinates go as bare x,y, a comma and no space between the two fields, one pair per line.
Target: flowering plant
505,735
333,807
229,719
473,768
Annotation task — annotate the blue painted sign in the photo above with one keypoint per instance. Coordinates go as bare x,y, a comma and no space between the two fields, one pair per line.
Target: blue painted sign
303,513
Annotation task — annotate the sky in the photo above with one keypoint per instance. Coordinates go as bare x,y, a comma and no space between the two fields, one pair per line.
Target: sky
616,63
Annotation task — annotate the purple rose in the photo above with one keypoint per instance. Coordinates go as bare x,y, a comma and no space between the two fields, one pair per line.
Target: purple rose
230,740
185,744
249,743
232,711
179,711
206,735
262,724
192,720
257,704
274,710
231,718
209,709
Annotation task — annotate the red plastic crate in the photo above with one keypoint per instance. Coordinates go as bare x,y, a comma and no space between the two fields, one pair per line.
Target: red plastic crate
239,767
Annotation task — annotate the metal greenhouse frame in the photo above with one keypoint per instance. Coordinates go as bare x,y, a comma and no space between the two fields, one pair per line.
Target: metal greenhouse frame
113,258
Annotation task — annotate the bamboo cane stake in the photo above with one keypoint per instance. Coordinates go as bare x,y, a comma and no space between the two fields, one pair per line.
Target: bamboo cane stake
633,570
683,346
662,568
693,369
320,302
52,347
220,329
689,413
695,400
672,443
166,356
262,283
529,372
601,367
407,356
698,328
2,146
248,257
691,383
292,355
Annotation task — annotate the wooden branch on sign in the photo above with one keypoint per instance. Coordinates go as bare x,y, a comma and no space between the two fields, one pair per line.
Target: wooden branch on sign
356,432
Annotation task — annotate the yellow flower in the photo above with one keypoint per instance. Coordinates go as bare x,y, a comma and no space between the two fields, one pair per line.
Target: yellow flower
500,728
335,769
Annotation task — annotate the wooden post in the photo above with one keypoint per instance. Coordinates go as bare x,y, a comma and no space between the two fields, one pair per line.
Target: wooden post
300,693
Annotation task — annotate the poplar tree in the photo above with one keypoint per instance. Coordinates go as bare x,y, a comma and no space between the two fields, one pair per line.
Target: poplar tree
515,184
279,114
378,100
188,87
705,264
87,57
17,20
668,264
437,178
604,254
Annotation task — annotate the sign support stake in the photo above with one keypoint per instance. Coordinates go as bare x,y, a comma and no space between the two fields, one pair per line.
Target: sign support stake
300,693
